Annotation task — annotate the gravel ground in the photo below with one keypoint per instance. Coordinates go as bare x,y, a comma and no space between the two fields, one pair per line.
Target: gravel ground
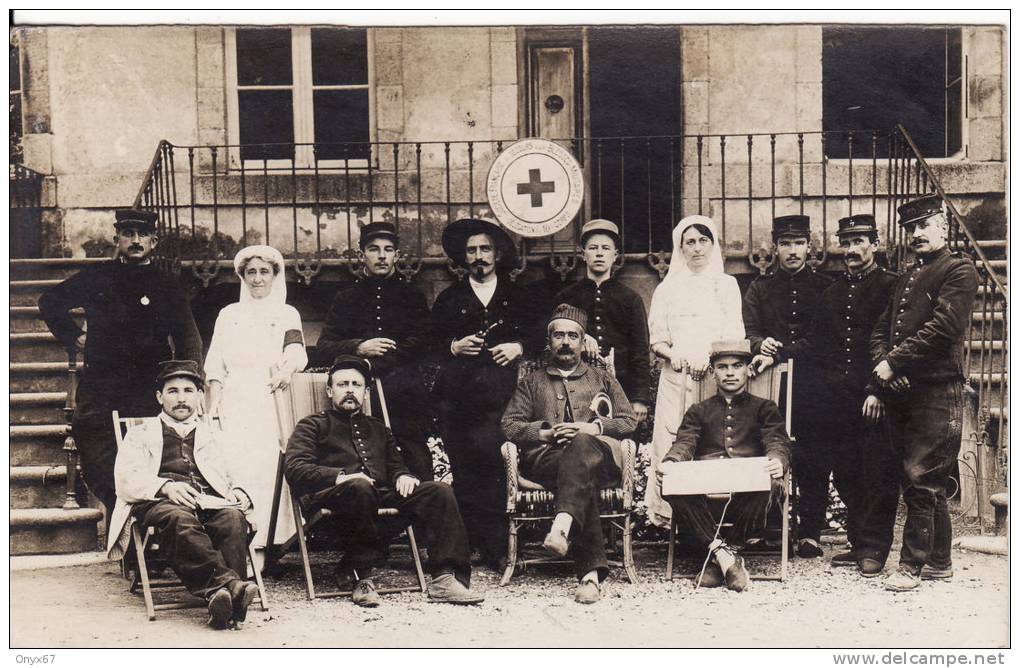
88,606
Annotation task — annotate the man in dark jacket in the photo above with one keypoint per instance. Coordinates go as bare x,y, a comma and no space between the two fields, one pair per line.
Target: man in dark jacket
917,349
730,425
132,311
778,314
384,319
569,447
481,327
618,323
864,468
349,463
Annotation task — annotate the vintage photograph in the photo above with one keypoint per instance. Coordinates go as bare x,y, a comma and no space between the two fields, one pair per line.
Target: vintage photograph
452,329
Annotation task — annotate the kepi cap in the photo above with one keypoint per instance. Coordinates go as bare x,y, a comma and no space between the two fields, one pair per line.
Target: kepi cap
568,312
919,209
734,347
136,218
857,224
351,362
795,225
180,369
373,230
600,226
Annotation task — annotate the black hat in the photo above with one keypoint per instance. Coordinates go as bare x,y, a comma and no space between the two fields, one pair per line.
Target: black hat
373,230
796,225
568,312
919,209
180,369
863,223
456,234
351,362
136,218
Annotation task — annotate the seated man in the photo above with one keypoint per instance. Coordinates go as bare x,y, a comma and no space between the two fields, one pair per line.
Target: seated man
349,463
169,477
567,447
731,424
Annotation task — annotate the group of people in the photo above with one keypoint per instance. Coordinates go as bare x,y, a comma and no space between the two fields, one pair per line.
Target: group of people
877,397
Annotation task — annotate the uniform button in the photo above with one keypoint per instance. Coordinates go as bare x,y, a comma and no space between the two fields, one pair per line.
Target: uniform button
378,308
598,317
729,417
899,322
848,350
729,438
848,329
598,327
794,292
848,317
794,313
848,361
598,299
729,428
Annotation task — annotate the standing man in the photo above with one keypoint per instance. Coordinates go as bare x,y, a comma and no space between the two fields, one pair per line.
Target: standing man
481,328
383,318
917,348
778,311
618,323
567,447
864,469
134,314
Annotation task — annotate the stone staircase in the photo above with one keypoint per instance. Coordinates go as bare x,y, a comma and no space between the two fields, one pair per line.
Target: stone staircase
38,391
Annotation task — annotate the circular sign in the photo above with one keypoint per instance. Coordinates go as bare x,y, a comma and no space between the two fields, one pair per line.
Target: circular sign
535,187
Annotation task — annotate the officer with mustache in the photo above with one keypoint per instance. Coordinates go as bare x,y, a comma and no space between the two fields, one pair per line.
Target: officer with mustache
383,318
865,471
481,328
133,312
917,352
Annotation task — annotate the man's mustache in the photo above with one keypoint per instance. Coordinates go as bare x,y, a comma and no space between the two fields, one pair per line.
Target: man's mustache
853,256
479,263
135,247
181,406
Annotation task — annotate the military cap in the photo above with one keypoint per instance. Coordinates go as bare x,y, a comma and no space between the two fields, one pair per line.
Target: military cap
374,230
795,225
919,209
180,369
600,226
351,362
568,312
457,233
136,218
733,347
863,223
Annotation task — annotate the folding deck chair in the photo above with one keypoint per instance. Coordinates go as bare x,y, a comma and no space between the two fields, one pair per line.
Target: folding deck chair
306,395
146,551
767,384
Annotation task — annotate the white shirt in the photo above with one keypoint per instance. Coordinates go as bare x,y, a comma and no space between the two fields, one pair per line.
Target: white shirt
183,428
484,291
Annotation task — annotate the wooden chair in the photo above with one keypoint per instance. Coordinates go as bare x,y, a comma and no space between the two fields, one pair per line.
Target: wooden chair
528,502
306,395
767,384
146,551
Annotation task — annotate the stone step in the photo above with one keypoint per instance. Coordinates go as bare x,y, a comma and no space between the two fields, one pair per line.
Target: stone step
39,376
38,486
50,268
27,319
54,530
37,407
36,347
27,293
37,445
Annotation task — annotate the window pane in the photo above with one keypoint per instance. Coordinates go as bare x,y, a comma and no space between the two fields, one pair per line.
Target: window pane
341,116
874,78
263,57
15,80
339,56
266,117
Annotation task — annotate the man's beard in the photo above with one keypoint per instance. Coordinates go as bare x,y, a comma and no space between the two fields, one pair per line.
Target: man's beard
478,268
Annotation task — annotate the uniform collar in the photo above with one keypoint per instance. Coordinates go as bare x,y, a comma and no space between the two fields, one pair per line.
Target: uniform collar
737,400
867,272
580,370
588,282
931,257
378,280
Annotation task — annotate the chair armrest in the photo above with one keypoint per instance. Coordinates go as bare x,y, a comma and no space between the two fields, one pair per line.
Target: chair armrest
509,451
628,471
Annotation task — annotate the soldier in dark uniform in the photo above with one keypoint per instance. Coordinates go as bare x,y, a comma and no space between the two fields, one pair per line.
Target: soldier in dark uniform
481,327
384,319
616,314
864,469
917,348
778,312
133,314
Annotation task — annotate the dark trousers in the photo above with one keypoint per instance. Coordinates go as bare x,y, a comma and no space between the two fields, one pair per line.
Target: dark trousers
812,466
866,475
207,549
925,425
431,508
410,418
746,511
576,472
92,428
473,443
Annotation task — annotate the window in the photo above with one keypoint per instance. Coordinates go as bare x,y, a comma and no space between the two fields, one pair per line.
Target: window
14,119
293,87
873,78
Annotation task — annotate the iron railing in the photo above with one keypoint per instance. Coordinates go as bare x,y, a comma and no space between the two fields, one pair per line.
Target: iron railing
986,360
214,199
